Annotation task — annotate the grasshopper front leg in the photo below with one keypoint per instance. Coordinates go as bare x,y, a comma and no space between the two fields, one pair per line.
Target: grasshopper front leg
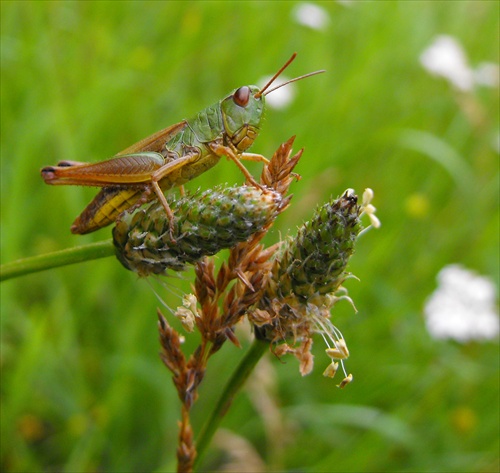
221,150
254,157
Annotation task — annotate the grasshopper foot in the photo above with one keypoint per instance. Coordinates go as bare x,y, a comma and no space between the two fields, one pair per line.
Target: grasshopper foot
171,229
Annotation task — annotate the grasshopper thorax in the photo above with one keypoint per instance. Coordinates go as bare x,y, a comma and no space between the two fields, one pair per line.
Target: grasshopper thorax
241,114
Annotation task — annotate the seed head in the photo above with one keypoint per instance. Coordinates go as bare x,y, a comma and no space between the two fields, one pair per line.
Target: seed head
204,224
306,280
310,268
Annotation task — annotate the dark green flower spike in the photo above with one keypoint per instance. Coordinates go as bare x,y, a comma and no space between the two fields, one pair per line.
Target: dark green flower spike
205,223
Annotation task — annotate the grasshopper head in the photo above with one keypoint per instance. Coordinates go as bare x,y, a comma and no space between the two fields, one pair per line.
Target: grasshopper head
242,114
242,110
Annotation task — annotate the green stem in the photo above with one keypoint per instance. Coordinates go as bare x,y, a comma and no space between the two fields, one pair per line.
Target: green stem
240,375
57,258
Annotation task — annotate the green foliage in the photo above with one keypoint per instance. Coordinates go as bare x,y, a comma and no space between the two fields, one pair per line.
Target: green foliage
82,386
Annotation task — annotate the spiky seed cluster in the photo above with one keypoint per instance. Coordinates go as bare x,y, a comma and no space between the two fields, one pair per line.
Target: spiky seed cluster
313,264
205,223
307,272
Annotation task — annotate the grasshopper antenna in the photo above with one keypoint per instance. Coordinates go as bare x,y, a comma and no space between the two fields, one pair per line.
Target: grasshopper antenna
261,91
295,80
294,55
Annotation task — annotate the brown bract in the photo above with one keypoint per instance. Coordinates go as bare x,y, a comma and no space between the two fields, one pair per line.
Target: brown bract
223,296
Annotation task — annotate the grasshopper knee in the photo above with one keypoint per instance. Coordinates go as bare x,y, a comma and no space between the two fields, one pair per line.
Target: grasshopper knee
48,173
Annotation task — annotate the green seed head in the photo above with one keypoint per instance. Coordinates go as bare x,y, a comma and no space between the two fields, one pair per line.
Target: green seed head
204,224
305,284
309,269
314,263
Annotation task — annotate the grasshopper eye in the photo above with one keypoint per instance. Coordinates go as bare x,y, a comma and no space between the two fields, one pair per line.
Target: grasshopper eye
242,96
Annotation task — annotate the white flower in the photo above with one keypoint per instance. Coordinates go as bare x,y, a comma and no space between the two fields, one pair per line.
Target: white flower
331,369
339,352
347,380
311,15
462,307
487,74
368,209
188,313
445,57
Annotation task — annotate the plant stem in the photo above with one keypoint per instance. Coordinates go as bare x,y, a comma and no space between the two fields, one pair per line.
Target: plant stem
240,375
56,259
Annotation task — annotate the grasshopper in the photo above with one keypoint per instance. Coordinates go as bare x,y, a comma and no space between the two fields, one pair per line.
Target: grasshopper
169,157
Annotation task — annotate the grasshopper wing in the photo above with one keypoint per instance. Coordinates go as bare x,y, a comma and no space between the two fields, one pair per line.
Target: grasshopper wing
124,178
156,141
133,164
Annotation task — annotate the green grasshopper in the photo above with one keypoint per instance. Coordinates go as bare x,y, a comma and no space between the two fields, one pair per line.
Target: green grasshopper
169,158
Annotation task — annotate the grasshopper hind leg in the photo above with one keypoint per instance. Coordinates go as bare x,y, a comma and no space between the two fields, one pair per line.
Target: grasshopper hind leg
168,210
107,206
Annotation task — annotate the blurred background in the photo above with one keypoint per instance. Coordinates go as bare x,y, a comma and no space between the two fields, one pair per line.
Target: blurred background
408,106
